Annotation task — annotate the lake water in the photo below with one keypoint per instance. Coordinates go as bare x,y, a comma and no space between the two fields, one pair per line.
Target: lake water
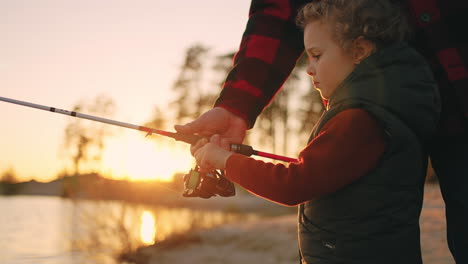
52,230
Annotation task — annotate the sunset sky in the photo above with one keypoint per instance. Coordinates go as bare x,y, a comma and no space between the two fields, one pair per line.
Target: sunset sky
60,52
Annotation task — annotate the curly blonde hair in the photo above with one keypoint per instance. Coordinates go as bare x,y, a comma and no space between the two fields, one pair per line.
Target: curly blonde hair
379,21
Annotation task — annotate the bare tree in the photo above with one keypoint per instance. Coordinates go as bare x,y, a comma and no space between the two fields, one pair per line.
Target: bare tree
277,125
106,228
84,140
159,119
222,66
192,100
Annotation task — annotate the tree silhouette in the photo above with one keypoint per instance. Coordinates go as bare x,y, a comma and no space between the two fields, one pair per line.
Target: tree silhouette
222,66
159,119
9,176
8,182
191,100
291,114
84,140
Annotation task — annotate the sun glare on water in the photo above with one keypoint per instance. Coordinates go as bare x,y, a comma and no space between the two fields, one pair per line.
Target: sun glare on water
138,158
147,228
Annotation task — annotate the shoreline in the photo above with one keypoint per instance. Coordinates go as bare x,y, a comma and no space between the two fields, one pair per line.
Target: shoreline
273,240
270,239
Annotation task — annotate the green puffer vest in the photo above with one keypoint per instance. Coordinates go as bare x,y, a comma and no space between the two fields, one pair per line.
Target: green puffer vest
375,219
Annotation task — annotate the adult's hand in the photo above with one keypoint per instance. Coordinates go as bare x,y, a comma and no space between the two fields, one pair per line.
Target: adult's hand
230,127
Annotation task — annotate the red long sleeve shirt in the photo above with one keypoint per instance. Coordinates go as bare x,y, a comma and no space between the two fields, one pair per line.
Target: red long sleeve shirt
348,146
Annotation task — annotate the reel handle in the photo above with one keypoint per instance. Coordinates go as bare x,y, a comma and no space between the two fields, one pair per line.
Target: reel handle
207,184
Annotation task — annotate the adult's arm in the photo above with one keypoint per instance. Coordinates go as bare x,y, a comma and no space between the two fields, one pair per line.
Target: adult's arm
270,47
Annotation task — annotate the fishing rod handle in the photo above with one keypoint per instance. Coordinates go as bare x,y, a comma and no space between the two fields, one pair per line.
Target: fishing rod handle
238,148
243,149
249,151
192,139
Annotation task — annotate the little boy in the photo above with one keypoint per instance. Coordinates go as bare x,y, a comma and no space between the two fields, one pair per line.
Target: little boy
359,180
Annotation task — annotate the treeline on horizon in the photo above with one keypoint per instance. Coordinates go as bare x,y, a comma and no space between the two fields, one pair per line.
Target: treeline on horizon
97,187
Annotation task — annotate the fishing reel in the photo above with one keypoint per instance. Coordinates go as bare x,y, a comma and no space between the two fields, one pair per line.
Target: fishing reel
207,184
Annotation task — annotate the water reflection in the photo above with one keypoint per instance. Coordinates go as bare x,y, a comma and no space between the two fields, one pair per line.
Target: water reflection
148,228
113,228
84,231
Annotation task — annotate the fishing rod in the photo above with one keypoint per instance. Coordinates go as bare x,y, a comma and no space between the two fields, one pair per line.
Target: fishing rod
197,183
187,138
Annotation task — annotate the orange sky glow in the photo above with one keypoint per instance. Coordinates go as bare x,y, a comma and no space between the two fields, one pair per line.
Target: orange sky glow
61,52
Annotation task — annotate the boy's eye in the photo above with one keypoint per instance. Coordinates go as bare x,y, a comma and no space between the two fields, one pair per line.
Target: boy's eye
313,54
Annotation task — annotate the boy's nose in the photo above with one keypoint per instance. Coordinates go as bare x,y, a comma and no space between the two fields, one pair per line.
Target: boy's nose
310,71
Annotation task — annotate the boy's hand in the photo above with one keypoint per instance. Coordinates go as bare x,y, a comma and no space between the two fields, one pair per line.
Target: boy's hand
210,155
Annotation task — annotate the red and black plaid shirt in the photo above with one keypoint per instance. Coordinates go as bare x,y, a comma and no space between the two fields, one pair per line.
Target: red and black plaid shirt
272,43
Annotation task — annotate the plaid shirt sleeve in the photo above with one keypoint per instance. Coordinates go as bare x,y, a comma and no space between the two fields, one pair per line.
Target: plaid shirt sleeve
270,47
441,36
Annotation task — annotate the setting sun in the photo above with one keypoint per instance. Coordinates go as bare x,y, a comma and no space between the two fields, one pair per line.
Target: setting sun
135,157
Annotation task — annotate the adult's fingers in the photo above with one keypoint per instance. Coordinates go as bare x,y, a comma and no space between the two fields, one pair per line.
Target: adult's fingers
216,119
215,139
225,144
189,128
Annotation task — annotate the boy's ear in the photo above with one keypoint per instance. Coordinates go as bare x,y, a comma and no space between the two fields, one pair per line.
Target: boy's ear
362,48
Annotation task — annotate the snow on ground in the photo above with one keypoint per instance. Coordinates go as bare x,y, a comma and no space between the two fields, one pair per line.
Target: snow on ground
273,240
